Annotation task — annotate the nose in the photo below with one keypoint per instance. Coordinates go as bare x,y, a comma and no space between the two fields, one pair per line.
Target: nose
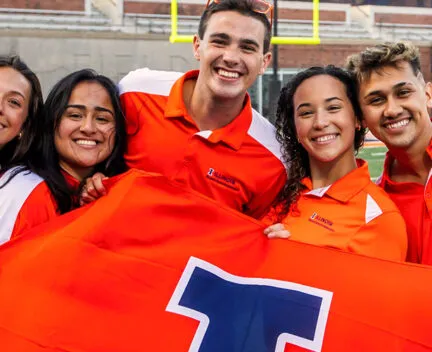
321,120
392,108
88,125
231,55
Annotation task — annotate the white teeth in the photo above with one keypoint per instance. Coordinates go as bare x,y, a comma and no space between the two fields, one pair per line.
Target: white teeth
325,138
85,142
228,74
397,124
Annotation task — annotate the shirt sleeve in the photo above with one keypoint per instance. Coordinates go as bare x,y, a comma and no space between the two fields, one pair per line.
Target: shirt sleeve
384,237
38,208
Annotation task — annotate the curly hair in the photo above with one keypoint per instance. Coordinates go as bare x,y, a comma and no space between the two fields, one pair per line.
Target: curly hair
294,154
387,54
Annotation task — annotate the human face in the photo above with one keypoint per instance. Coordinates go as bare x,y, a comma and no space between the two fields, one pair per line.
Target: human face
231,55
325,120
15,93
85,136
394,102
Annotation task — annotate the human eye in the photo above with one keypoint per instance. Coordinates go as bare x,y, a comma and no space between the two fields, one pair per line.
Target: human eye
249,48
103,119
218,42
15,102
74,115
334,108
376,100
305,113
404,92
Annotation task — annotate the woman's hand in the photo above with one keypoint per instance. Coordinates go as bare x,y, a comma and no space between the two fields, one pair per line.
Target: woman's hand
277,231
93,189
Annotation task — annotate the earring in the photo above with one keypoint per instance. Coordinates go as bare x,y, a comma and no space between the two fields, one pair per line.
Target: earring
20,135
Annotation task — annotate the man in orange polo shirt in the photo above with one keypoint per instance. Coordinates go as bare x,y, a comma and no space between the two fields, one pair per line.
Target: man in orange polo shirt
199,128
395,99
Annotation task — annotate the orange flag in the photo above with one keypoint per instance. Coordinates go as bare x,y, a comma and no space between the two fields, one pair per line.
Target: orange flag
155,267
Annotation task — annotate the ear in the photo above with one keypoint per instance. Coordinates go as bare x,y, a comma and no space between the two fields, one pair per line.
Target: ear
196,46
358,124
428,91
266,61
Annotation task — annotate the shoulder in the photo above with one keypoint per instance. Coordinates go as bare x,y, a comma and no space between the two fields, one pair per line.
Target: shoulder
264,133
377,204
13,196
148,81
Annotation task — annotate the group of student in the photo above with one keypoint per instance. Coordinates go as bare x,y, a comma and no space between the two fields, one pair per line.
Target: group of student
198,129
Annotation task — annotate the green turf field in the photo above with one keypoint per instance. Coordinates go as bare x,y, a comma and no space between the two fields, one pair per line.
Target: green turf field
375,159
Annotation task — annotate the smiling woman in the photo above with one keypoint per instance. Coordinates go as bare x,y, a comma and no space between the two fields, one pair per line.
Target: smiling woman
83,133
329,199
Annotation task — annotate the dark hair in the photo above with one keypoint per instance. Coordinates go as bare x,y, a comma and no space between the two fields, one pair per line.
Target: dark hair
16,151
373,59
293,153
244,7
46,161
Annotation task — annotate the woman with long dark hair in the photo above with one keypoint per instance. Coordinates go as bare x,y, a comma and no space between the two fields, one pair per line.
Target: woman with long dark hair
329,199
83,133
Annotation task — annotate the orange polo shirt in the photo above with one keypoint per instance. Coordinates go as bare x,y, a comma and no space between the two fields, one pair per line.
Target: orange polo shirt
415,204
39,207
238,165
353,214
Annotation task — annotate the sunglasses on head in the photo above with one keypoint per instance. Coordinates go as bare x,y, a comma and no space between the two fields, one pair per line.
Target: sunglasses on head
258,6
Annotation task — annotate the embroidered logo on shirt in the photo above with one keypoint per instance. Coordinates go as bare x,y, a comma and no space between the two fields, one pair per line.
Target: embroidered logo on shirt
319,220
222,179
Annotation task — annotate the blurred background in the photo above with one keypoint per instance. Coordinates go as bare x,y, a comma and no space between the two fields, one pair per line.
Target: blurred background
56,37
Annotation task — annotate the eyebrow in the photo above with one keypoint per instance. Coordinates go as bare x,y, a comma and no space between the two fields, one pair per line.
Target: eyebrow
225,36
83,107
396,86
309,104
18,93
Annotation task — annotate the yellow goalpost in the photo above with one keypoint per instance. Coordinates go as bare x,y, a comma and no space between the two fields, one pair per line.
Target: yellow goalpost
313,40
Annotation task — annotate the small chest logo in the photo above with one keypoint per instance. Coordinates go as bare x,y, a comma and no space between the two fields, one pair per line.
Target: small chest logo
319,220
222,179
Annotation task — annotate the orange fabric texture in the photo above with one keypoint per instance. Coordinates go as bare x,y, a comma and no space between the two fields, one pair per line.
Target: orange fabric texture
100,278
226,164
415,204
39,207
341,217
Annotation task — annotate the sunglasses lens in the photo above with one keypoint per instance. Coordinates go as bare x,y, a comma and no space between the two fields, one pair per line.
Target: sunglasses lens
261,6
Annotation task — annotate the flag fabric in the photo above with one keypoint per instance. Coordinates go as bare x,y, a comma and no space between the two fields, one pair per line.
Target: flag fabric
156,267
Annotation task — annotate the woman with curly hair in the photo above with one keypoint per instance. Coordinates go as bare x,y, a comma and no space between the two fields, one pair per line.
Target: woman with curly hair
329,199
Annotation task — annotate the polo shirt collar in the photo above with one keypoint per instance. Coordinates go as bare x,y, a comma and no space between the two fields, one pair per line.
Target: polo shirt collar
232,134
346,187
385,180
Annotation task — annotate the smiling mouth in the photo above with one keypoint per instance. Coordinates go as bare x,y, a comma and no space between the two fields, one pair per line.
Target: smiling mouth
398,124
326,138
85,142
228,74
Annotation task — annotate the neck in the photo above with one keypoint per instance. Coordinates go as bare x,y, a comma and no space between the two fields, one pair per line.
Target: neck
78,173
208,112
326,173
412,164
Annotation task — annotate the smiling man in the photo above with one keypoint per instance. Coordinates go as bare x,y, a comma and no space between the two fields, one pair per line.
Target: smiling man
395,98
199,128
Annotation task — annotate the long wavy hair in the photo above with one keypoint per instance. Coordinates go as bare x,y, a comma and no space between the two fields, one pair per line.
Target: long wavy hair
46,161
293,153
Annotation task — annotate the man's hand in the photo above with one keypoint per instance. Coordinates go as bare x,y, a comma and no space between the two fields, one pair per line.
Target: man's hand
277,231
93,189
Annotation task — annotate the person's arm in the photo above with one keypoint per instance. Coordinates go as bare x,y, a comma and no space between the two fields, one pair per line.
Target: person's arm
384,237
38,208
